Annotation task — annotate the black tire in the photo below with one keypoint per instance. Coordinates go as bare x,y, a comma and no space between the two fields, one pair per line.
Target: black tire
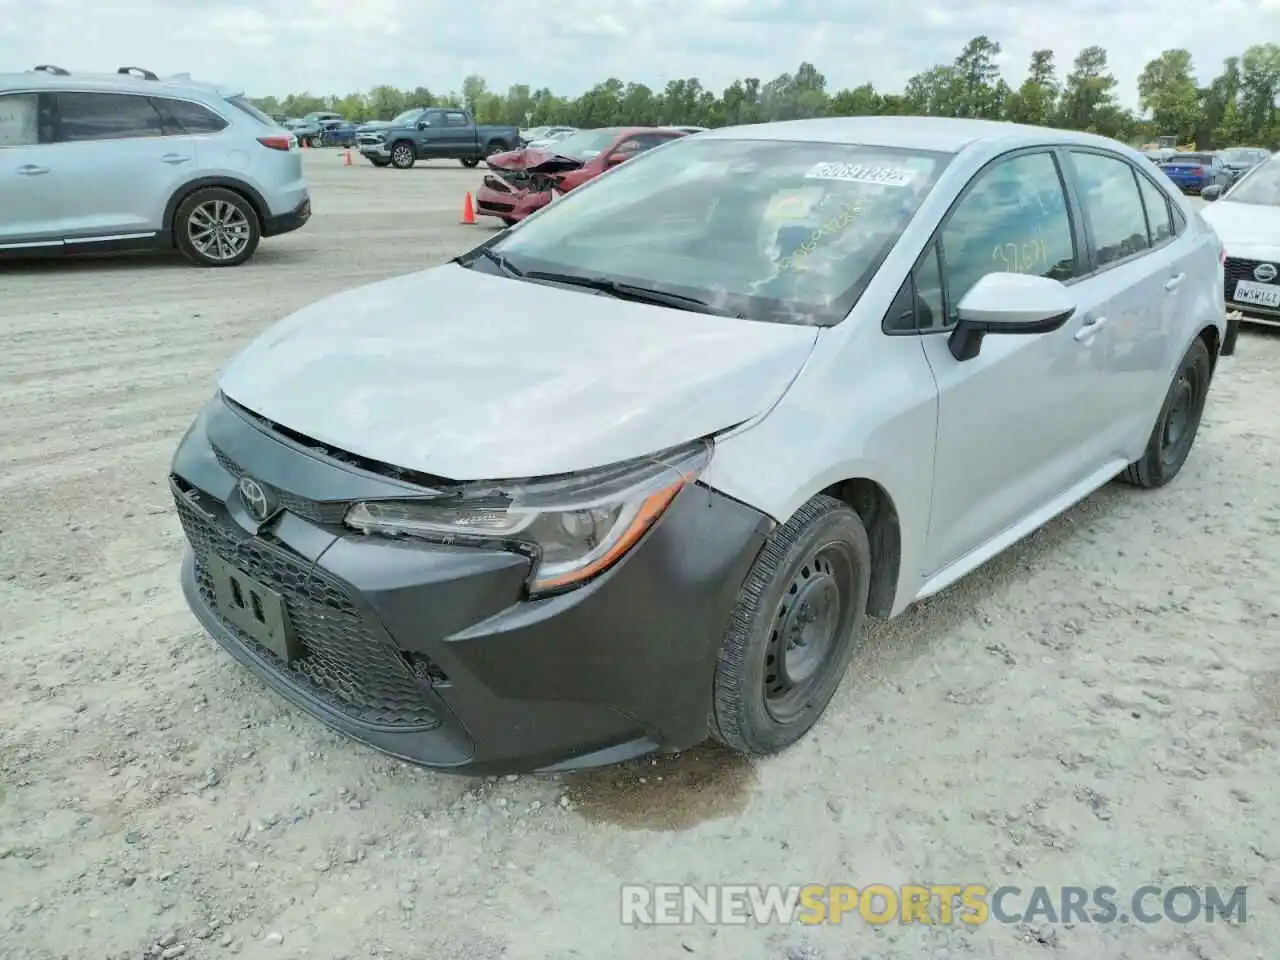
470,162
813,572
1175,430
403,155
493,147
379,161
510,221
196,233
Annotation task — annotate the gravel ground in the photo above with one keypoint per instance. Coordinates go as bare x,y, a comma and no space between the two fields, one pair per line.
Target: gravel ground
1095,707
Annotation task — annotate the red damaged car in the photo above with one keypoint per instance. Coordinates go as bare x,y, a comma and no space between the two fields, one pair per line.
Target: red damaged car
522,181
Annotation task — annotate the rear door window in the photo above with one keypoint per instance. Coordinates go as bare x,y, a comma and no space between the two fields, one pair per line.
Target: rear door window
107,116
1112,205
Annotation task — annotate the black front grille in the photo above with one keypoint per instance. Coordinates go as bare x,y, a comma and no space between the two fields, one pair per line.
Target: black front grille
498,205
1236,269
314,510
348,661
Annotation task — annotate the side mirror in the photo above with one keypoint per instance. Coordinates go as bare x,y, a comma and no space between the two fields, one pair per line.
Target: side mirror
1008,303
423,124
1211,192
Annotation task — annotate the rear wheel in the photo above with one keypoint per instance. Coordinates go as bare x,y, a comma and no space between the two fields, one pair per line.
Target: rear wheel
216,227
471,162
403,156
797,623
1175,430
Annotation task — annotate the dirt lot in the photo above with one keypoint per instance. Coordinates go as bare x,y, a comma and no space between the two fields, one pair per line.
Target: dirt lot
1096,707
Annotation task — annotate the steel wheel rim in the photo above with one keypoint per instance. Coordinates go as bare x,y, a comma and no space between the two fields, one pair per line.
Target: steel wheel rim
219,230
812,617
1179,423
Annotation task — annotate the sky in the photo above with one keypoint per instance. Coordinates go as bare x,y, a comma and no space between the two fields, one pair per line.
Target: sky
343,46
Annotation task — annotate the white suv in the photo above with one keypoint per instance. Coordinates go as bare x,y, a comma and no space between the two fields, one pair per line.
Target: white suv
91,162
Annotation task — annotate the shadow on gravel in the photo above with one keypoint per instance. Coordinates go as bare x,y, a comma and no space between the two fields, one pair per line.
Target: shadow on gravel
665,793
268,255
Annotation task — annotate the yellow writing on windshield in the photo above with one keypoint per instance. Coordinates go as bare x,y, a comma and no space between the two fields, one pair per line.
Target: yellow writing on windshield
840,221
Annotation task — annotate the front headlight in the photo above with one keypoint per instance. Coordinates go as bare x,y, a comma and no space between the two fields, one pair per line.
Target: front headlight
574,527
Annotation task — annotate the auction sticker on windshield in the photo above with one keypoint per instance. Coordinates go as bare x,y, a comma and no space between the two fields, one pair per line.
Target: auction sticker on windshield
862,173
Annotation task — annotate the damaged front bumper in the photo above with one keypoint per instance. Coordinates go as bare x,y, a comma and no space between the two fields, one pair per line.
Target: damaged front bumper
513,195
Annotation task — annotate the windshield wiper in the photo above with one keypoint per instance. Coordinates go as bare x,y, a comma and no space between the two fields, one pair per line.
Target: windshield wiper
629,291
503,263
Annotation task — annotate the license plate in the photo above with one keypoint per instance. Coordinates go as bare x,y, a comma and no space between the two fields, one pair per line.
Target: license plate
256,609
1257,294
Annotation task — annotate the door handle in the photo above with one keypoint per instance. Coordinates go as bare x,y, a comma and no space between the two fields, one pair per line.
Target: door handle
1090,329
31,170
1172,282
174,159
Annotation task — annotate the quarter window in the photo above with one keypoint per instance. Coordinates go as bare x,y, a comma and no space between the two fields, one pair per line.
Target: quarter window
1109,192
187,117
1015,220
1159,216
19,120
107,116
455,119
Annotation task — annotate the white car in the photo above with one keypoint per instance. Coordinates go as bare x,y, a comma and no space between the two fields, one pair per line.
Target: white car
665,444
1247,219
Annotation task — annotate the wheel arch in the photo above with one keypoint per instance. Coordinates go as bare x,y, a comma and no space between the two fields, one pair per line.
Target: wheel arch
254,198
1212,338
872,502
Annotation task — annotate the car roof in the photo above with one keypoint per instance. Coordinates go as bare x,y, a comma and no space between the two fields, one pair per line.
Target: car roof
939,134
179,85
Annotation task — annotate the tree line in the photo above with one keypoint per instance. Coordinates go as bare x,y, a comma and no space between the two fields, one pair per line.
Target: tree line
1238,107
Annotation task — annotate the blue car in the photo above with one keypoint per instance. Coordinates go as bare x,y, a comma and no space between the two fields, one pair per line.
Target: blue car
1192,172
338,133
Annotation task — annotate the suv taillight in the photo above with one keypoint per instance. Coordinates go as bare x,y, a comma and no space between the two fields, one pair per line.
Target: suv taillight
278,141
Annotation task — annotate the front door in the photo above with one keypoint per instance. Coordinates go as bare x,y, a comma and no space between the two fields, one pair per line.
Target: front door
1014,421
30,174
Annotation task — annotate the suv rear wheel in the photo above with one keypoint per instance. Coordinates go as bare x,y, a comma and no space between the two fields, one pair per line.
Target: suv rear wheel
216,227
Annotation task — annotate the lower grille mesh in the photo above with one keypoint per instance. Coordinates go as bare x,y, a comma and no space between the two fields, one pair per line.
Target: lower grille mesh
348,662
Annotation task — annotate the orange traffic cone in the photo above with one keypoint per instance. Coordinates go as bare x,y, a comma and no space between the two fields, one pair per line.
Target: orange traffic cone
468,210
346,157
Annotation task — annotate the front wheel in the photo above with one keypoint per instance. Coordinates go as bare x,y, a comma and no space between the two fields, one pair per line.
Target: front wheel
470,163
1179,421
216,227
403,156
379,161
796,625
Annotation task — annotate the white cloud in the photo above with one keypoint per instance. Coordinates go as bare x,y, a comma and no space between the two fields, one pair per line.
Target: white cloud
341,46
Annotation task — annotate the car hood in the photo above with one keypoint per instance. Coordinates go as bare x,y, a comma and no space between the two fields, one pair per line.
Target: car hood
532,160
373,125
1248,230
470,376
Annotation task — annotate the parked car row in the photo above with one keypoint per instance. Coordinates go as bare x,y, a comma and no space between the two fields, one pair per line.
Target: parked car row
1194,171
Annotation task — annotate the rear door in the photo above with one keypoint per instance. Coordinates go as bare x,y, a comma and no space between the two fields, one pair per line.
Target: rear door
459,138
1133,286
31,176
122,166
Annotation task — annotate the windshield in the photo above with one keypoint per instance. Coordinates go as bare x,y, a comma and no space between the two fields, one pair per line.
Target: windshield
781,231
1261,185
586,144
409,116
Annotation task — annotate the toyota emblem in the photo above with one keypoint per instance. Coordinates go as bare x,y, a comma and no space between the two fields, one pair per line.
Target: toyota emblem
256,498
1265,272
